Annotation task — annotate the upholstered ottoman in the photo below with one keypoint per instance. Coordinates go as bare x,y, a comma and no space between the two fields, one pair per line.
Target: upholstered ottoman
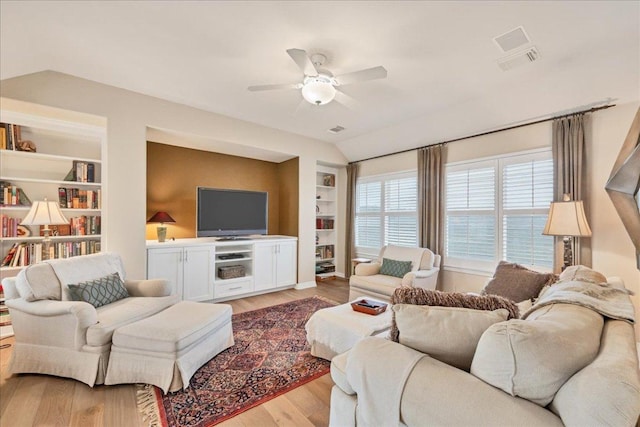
166,349
334,330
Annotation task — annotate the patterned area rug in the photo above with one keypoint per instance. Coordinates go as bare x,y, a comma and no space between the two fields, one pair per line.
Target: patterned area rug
270,357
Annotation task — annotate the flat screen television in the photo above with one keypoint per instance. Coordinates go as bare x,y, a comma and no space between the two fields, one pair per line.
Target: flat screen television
230,213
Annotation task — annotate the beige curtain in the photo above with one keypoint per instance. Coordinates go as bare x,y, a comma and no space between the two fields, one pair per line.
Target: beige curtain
570,177
431,198
350,226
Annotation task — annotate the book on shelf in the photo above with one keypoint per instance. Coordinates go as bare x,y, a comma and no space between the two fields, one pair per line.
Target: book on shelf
81,172
75,198
3,138
324,224
11,195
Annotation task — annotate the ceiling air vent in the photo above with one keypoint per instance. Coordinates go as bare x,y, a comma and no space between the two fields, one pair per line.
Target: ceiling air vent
336,129
520,58
512,39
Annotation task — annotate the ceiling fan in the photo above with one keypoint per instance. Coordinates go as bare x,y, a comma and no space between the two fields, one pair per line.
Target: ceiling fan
319,86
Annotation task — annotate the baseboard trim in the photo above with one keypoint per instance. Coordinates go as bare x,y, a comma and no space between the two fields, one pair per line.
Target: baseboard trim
305,285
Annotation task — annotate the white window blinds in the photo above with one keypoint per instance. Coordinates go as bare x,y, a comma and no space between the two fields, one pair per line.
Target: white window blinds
386,211
496,209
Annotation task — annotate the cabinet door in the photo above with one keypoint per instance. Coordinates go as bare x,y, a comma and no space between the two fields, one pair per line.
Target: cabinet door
198,273
286,267
264,269
166,263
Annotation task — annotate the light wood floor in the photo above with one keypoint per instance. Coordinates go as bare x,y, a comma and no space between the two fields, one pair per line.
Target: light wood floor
42,400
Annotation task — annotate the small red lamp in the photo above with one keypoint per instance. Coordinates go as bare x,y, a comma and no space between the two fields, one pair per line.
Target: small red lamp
161,217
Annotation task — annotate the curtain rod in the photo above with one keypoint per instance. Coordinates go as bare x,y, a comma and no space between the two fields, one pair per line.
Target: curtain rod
590,110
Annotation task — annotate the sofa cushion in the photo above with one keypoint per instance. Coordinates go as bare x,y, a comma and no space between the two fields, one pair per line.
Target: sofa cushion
421,258
38,282
123,312
84,268
395,268
533,358
582,274
378,283
516,282
615,373
449,334
421,296
99,292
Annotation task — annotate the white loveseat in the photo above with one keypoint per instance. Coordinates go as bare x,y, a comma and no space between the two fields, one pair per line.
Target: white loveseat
564,364
57,336
368,282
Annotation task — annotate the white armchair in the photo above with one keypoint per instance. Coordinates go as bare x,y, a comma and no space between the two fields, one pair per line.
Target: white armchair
57,336
368,282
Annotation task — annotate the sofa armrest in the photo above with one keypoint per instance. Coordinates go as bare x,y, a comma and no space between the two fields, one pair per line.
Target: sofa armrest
148,288
367,269
52,323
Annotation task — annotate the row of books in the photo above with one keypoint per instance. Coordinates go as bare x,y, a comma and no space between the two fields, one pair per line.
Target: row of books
82,172
10,195
9,136
324,224
324,252
84,225
24,254
75,198
5,317
9,226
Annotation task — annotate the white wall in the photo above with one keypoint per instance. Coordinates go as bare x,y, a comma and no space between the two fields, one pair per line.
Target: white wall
128,115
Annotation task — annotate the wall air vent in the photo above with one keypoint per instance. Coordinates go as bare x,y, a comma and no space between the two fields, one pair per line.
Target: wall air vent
336,129
519,58
512,39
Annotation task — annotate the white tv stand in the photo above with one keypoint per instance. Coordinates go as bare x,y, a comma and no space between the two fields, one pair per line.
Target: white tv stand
192,265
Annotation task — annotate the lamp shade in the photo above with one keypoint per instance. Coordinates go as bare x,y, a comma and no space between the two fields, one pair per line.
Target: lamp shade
161,217
44,213
567,219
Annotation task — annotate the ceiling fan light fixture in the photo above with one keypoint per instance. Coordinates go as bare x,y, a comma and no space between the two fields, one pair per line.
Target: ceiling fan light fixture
318,90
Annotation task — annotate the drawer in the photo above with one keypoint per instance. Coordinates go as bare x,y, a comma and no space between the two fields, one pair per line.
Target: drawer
236,287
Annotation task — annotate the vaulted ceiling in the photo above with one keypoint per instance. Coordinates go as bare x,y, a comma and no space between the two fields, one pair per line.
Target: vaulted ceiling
443,77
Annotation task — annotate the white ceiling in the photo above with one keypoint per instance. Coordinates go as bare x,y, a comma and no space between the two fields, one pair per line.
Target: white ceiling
443,80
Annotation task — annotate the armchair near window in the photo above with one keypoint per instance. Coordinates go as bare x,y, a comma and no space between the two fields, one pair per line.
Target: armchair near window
369,280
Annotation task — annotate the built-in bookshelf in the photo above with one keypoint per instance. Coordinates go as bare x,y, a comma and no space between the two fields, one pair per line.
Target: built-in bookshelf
326,208
45,157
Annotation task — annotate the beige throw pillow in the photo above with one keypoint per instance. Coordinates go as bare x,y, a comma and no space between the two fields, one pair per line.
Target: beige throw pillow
38,282
448,334
533,358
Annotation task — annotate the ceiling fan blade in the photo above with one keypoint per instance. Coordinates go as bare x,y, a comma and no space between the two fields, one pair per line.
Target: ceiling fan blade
271,87
363,75
346,100
301,58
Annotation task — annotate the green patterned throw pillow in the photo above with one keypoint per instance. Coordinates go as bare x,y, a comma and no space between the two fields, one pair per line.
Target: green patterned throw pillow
395,268
99,292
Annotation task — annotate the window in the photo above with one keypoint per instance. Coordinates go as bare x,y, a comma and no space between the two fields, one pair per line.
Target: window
386,211
496,209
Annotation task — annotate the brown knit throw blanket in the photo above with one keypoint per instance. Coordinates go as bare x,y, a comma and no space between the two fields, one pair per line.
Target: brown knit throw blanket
420,296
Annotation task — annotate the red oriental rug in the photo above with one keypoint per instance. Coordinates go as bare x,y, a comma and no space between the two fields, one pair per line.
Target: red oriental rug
270,357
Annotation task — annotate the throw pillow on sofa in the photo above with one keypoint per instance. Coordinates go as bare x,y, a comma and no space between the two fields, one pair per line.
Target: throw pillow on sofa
448,334
421,296
533,358
395,268
582,274
516,282
99,292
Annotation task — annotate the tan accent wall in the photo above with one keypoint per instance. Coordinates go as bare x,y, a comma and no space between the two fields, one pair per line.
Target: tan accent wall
173,173
289,199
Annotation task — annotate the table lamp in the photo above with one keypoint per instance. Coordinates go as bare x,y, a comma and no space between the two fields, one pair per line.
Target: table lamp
161,217
45,213
567,219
